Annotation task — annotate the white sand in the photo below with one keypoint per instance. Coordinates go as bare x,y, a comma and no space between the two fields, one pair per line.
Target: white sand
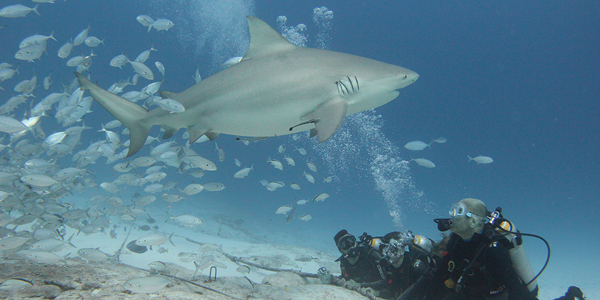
553,283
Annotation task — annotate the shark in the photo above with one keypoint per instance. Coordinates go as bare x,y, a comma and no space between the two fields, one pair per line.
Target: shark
276,89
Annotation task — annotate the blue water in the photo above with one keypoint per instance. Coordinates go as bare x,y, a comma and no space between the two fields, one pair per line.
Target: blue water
516,81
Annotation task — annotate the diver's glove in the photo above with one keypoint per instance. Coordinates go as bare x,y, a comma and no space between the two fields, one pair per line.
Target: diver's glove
352,285
369,291
324,275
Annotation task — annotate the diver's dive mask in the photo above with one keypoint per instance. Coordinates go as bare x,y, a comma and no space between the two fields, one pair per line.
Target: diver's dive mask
459,209
347,242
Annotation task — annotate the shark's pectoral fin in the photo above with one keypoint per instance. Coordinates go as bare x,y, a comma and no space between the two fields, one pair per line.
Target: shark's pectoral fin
169,132
328,118
313,132
196,132
212,135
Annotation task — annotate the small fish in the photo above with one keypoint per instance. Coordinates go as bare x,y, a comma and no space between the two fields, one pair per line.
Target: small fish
80,38
301,202
54,139
143,161
416,145
170,105
232,61
481,159
200,162
192,189
93,254
161,24
284,210
309,177
17,10
320,197
160,67
145,20
143,57
42,257
36,39
12,242
65,50
142,69
197,76
92,41
305,218
110,187
186,220
30,53
295,186
327,179
10,125
220,152
272,186
47,81
291,215
157,266
290,161
119,61
311,166
39,180
301,151
154,240
440,140
243,172
423,162
146,285
214,186
237,162
275,163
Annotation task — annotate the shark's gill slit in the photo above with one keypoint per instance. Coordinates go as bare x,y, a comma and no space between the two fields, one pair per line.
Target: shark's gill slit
340,85
351,85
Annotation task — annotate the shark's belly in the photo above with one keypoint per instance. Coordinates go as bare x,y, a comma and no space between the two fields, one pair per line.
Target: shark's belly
260,116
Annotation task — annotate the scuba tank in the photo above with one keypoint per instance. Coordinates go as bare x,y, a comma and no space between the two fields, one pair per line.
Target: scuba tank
517,252
424,242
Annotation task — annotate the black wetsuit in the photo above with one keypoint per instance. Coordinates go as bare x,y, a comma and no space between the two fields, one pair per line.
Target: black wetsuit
372,271
367,269
416,263
491,275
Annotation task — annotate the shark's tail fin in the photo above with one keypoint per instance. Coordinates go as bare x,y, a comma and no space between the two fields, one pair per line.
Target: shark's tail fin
129,113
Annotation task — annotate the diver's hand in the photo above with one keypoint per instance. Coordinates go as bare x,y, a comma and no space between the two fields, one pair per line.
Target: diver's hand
324,275
367,291
352,285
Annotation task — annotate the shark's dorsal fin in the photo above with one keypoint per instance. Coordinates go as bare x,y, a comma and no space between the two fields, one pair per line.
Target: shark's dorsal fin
264,40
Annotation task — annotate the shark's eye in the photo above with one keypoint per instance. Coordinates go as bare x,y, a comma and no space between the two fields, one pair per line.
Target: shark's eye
405,76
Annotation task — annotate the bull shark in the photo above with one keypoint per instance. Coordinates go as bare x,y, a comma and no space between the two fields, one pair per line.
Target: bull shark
276,89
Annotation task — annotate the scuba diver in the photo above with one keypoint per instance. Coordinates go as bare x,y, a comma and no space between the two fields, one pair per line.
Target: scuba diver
573,293
484,259
385,265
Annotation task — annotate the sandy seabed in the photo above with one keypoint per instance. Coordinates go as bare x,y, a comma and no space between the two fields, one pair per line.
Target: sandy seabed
76,278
